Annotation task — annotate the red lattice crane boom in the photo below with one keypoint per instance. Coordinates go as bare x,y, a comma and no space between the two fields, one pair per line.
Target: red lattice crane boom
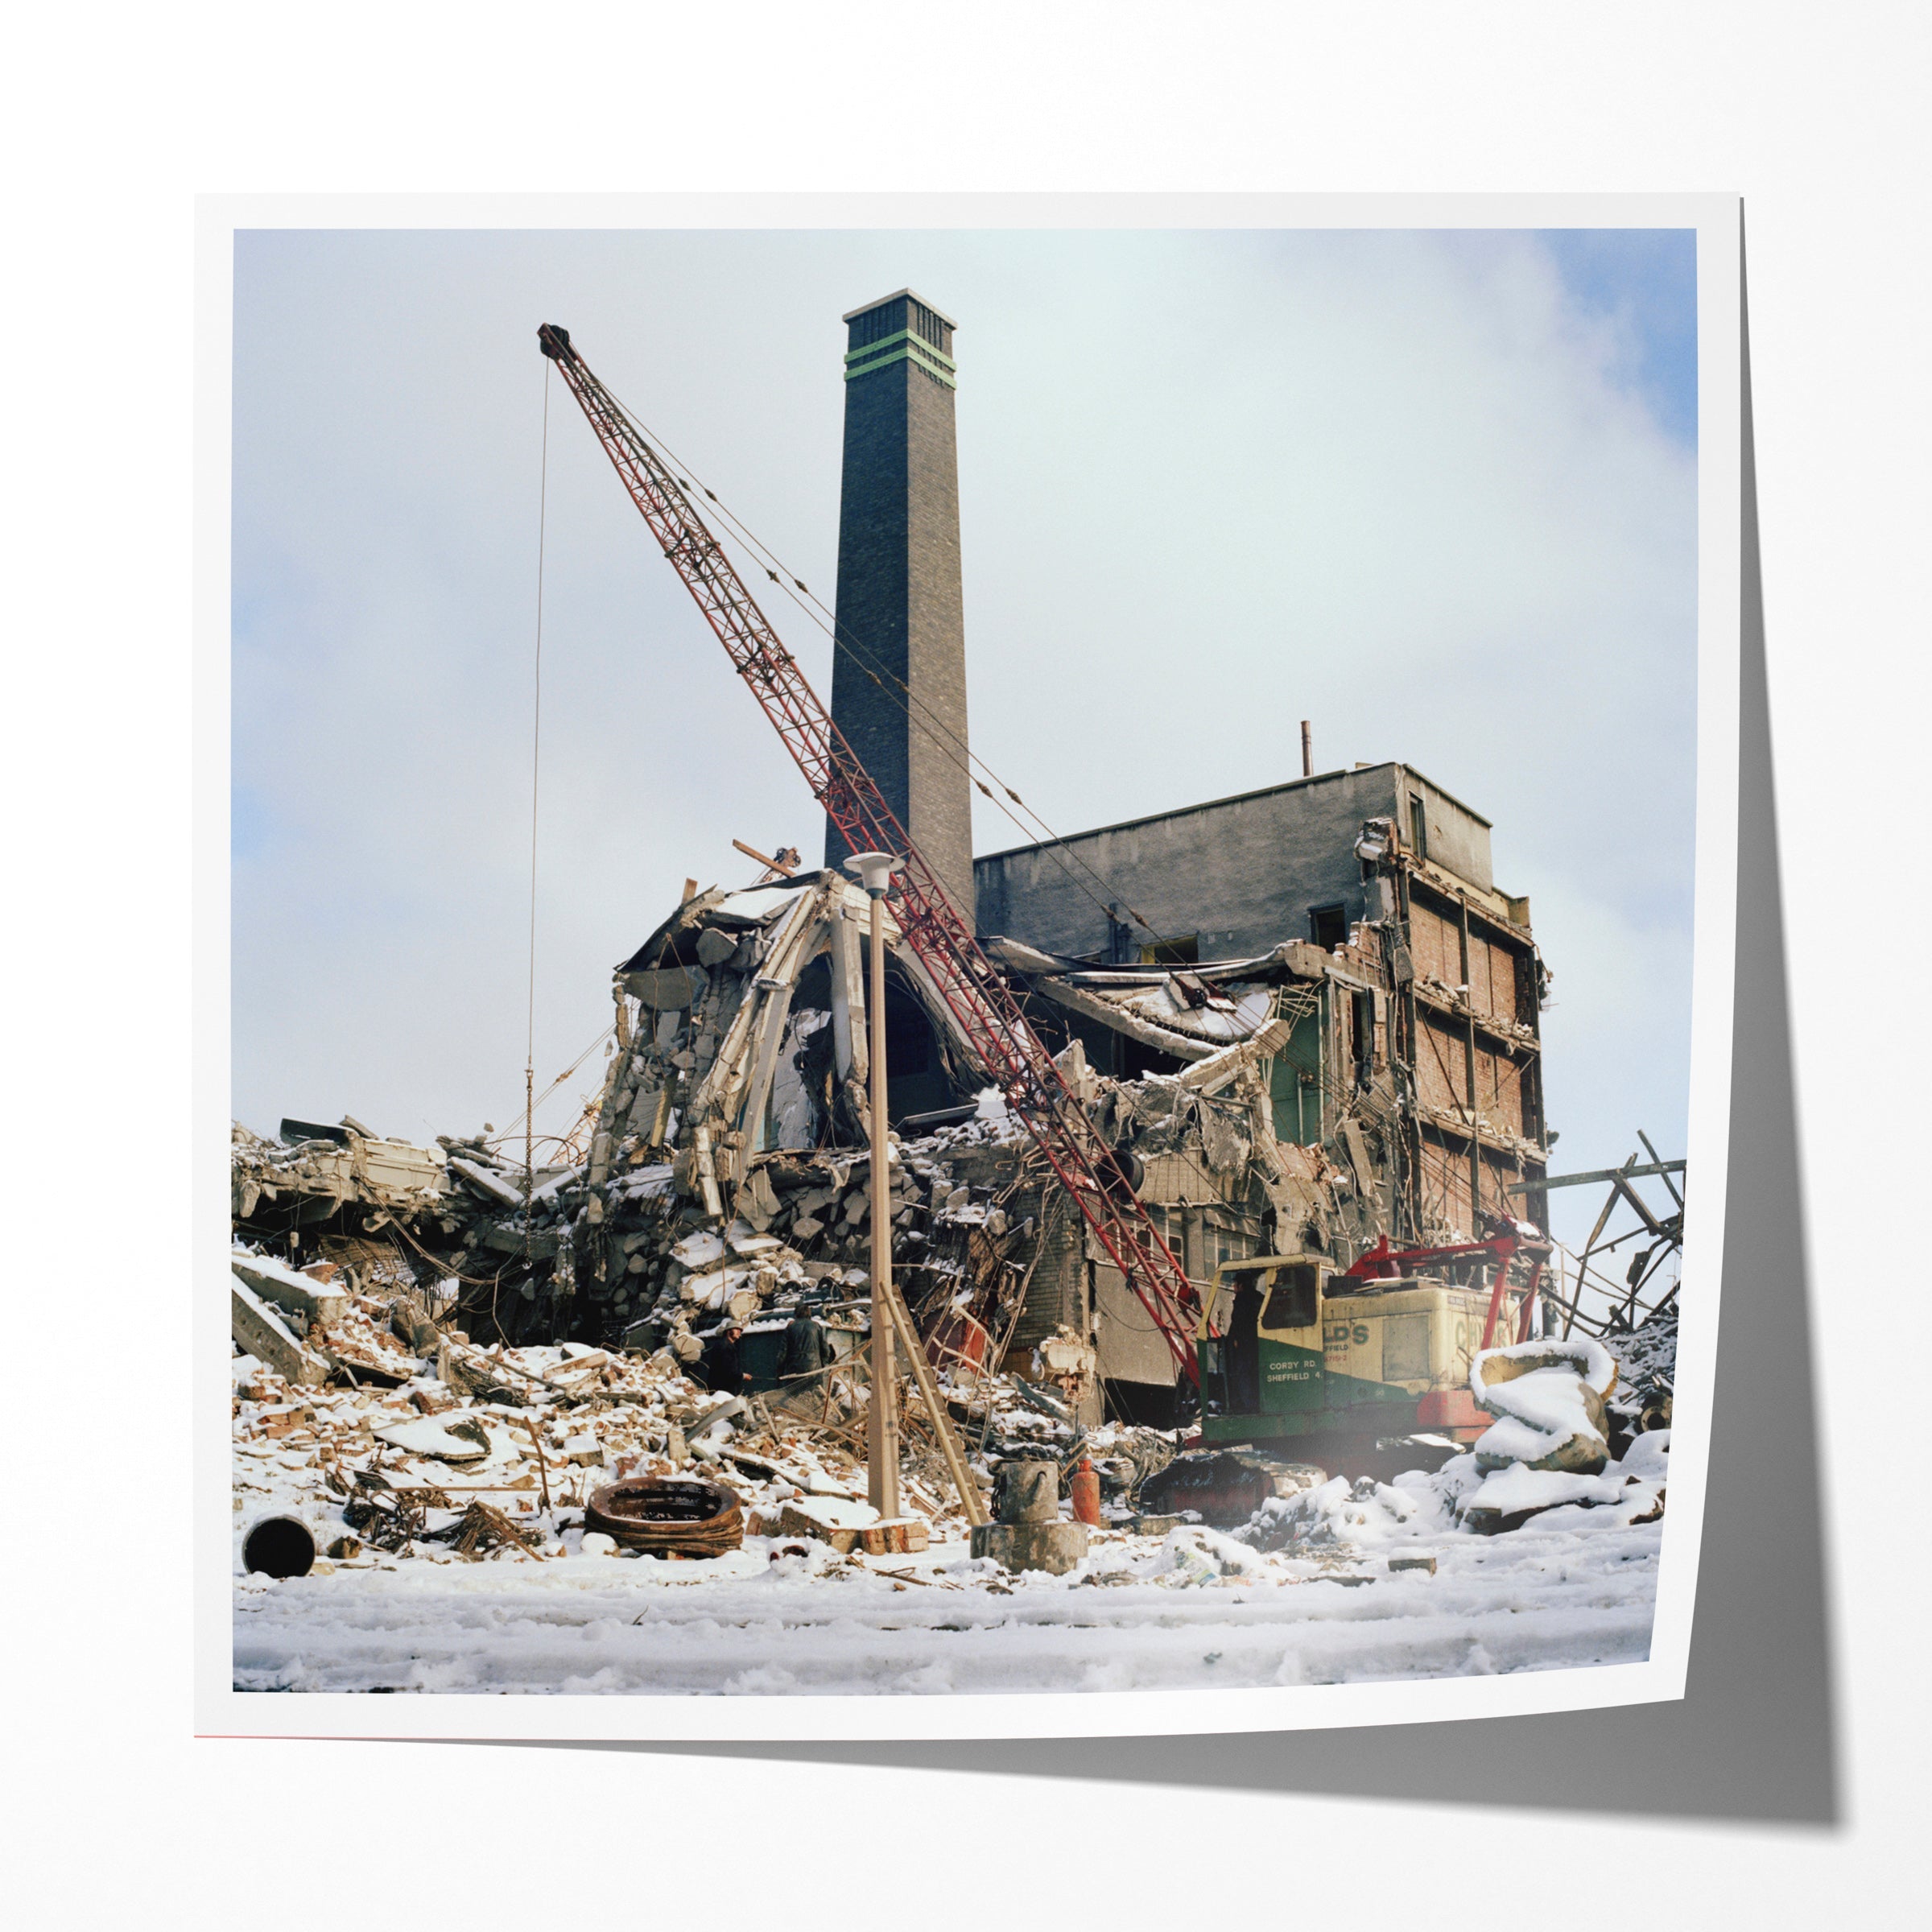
988,1020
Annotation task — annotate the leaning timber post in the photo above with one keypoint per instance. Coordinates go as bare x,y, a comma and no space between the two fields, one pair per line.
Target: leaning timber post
973,1509
875,870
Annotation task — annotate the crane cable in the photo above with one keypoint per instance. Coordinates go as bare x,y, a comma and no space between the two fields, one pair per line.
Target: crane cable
558,1081
931,725
886,679
536,741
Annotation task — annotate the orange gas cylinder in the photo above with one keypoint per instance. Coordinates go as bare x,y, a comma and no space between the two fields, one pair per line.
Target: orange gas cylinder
1086,1488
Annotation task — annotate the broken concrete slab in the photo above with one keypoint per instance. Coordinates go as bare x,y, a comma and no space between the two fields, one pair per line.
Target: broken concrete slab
492,1186
260,1332
292,1292
434,1439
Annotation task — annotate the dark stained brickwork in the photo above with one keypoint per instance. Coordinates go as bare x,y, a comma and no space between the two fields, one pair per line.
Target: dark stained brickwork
898,592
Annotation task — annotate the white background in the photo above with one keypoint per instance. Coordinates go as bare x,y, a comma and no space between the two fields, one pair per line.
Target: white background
117,123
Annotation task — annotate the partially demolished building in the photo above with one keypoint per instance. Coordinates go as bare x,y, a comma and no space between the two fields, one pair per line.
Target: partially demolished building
1369,892
1309,1018
1356,907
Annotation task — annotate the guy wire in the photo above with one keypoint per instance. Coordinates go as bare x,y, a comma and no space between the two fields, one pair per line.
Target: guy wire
536,737
935,729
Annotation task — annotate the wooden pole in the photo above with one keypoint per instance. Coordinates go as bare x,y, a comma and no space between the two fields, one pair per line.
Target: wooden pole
882,1420
935,1410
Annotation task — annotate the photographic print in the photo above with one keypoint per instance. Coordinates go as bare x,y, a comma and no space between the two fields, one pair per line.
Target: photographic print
978,961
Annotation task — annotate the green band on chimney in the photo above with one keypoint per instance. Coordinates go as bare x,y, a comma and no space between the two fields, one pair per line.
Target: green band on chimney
904,346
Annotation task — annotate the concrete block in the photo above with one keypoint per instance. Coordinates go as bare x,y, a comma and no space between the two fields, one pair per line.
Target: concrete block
290,1290
261,1333
833,1520
1055,1547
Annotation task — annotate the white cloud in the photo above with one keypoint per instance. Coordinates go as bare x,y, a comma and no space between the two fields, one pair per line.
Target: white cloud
1211,485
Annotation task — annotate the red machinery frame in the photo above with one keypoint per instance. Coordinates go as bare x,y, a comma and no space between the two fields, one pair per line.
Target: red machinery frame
1383,1263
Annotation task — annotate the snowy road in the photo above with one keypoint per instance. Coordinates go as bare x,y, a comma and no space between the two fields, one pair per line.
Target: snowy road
1143,1616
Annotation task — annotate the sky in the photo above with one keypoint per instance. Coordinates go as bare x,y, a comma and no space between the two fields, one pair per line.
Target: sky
1435,492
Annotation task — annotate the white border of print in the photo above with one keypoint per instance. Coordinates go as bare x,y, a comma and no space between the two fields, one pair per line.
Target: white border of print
221,1710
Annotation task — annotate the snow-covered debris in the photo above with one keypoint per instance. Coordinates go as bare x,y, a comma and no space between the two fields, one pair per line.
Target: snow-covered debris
1548,1397
425,1437
1646,1374
1621,1494
1341,1514
698,1251
448,1514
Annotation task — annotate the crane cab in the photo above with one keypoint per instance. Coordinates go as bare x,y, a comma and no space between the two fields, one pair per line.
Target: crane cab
1289,1351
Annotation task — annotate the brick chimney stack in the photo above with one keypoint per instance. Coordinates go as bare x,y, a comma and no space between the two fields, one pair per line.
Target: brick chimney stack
899,600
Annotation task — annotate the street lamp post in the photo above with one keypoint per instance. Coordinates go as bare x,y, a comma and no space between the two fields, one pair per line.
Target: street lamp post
874,870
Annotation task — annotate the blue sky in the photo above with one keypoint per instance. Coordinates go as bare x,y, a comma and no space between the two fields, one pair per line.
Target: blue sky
1645,280
1435,491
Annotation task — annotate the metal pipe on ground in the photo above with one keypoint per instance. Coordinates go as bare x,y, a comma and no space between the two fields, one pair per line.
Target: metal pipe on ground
279,1546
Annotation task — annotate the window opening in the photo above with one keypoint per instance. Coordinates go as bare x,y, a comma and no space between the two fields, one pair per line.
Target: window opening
1184,951
1328,925
1362,1025
1295,1301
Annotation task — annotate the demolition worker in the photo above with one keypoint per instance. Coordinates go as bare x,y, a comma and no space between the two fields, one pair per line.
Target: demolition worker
802,1365
723,1372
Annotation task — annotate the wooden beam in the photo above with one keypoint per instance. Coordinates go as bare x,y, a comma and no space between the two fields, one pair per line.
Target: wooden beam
785,867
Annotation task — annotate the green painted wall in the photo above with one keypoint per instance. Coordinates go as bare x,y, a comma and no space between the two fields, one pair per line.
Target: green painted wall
1298,1103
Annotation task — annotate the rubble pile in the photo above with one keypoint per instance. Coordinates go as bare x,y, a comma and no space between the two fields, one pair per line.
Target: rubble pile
531,1433
726,1174
1647,1366
802,1232
639,1261
410,1454
463,1453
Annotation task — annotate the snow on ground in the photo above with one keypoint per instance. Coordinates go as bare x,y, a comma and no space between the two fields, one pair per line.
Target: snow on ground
1193,1610
1326,1585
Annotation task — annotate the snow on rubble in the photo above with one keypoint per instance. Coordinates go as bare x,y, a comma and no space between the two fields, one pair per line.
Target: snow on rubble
445,1496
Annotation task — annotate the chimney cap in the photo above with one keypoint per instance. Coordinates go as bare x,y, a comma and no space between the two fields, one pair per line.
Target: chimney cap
865,308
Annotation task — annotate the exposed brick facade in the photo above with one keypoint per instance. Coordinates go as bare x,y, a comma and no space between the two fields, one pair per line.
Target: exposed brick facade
899,598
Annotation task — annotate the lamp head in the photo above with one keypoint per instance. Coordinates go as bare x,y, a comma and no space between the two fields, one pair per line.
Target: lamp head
873,870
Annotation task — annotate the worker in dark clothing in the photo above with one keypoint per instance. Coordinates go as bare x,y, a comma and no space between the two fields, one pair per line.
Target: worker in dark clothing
801,1364
723,1372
